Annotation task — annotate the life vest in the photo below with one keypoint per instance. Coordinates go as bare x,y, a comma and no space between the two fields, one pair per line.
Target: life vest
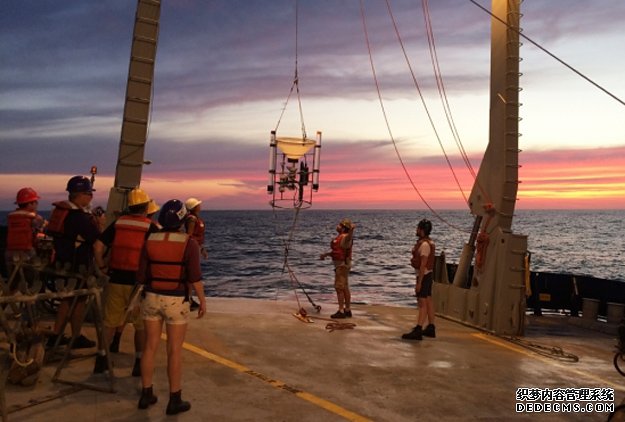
338,253
416,258
129,239
198,229
20,236
165,251
56,226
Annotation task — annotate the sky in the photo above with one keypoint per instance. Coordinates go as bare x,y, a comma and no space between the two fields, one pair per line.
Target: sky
224,69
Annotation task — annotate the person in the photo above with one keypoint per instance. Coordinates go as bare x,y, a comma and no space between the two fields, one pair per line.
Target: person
341,253
24,227
196,228
124,240
153,208
169,268
422,261
74,229
194,225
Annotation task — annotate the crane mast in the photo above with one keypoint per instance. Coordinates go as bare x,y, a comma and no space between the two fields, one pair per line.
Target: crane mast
137,106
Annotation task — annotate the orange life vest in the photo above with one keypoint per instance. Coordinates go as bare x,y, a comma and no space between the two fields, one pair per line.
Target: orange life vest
416,258
166,265
20,236
56,226
198,229
338,253
129,239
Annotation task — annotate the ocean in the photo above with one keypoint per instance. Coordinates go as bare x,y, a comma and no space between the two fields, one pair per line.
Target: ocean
247,250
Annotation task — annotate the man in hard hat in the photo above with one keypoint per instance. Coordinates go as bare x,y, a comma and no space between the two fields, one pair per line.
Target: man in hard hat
341,253
169,269
24,227
74,229
124,240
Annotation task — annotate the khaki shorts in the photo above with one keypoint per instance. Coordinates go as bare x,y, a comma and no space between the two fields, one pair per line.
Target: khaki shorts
340,277
171,309
115,303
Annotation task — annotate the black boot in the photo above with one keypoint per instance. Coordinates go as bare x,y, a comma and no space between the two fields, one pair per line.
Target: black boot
430,331
114,347
136,369
176,404
147,398
101,364
415,334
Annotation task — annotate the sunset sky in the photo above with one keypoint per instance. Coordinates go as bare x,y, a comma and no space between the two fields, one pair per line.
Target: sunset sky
224,69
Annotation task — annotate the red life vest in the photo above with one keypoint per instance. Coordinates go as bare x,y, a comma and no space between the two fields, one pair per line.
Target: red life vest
198,229
56,226
416,258
129,239
166,265
20,236
338,253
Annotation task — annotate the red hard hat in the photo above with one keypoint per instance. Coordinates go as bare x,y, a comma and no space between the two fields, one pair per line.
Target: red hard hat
26,195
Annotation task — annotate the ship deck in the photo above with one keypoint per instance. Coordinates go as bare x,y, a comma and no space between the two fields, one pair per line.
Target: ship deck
251,360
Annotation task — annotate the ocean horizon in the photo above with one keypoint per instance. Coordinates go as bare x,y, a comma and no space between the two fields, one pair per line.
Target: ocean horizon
250,250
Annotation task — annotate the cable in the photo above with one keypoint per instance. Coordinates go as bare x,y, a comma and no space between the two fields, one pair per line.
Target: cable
427,111
551,54
377,85
295,83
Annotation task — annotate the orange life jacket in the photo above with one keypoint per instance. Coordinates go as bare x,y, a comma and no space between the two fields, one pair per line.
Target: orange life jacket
20,236
129,239
166,265
198,229
56,226
338,253
416,258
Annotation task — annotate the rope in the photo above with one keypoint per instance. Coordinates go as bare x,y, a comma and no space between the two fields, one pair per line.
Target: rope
401,161
562,62
427,111
554,352
295,83
443,95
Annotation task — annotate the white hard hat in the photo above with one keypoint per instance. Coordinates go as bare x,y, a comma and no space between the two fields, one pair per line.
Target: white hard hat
192,203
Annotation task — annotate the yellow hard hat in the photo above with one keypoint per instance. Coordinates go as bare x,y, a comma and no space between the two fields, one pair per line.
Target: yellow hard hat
192,203
137,196
153,207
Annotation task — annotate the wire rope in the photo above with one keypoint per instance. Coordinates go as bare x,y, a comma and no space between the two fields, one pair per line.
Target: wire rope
427,111
388,126
559,60
295,83
443,95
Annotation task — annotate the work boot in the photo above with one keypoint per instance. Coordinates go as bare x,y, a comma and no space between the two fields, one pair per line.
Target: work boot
114,347
83,342
147,398
338,315
176,404
415,334
101,364
430,331
136,369
52,339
